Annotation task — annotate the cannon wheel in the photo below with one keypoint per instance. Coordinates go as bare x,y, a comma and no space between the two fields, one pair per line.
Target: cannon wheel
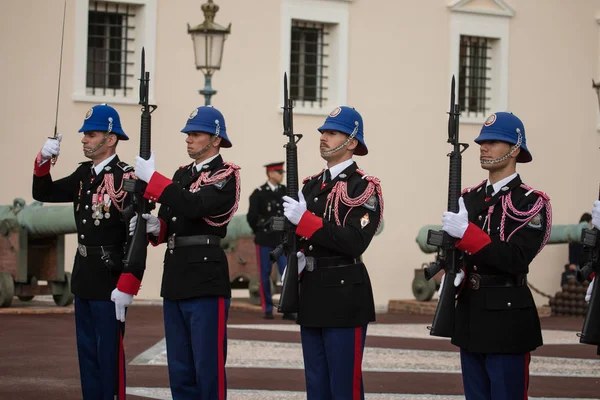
66,297
254,290
422,288
25,298
7,289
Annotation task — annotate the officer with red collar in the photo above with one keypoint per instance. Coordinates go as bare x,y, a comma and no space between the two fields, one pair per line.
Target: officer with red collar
196,207
502,224
95,189
338,213
266,202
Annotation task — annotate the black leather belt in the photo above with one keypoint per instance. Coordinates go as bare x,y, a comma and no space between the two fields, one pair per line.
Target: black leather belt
197,240
86,251
329,262
476,281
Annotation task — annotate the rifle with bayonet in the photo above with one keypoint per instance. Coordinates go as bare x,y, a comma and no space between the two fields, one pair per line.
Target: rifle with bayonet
449,257
136,250
288,301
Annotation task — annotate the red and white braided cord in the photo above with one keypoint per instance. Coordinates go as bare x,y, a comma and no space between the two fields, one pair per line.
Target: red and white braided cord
117,196
524,217
339,194
205,180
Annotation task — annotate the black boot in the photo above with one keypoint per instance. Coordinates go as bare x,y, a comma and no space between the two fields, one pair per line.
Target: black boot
268,315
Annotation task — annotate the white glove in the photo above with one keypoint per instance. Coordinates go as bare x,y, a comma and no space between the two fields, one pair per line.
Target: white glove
121,300
457,280
455,224
294,210
144,168
596,214
301,264
51,147
588,293
152,224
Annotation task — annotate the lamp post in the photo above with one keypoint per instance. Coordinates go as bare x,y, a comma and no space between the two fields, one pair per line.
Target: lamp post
208,39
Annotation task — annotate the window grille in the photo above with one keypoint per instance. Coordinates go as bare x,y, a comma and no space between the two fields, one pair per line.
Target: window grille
110,49
308,63
475,75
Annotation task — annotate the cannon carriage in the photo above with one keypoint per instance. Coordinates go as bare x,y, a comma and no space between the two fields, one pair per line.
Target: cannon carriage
32,256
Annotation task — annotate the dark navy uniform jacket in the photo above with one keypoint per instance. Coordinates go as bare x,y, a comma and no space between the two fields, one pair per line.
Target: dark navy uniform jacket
264,204
191,206
338,295
500,318
93,278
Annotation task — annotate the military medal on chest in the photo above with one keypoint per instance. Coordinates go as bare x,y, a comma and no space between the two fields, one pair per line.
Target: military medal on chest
100,207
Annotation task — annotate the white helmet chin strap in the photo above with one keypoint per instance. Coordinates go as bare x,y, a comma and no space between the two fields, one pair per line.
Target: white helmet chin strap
510,153
341,146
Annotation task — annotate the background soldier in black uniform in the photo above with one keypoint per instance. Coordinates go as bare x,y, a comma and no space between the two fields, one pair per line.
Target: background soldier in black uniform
338,213
196,206
95,190
501,225
266,202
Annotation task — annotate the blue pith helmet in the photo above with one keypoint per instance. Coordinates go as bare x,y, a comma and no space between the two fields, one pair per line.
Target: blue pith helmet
505,126
208,119
104,118
347,120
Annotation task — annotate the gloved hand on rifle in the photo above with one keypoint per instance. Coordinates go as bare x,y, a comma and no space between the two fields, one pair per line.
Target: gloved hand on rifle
455,224
152,224
294,210
588,293
122,301
457,280
51,148
144,168
596,214
301,264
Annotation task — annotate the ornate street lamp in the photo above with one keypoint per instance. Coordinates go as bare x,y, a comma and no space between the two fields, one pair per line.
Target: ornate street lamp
208,39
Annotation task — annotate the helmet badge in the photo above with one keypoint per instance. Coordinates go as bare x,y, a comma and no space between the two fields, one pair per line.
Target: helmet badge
336,111
490,121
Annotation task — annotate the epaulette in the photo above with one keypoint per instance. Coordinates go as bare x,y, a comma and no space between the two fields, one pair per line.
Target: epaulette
530,190
186,166
124,166
368,178
470,189
308,178
86,163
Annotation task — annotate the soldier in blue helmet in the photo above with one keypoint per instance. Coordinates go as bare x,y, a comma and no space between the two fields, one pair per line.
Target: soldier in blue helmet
338,213
196,207
502,224
95,189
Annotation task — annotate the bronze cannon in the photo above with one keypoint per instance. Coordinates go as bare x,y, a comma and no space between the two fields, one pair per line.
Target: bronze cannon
32,257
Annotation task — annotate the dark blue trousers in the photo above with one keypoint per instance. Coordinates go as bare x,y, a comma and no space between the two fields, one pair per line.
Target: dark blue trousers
495,376
98,346
333,362
196,336
265,265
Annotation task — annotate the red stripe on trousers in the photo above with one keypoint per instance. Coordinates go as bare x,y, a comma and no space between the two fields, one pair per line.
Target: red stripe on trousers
121,372
357,376
526,380
260,288
221,339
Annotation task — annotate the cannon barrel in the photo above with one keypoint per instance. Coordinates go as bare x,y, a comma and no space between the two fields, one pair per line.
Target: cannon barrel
559,234
39,221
